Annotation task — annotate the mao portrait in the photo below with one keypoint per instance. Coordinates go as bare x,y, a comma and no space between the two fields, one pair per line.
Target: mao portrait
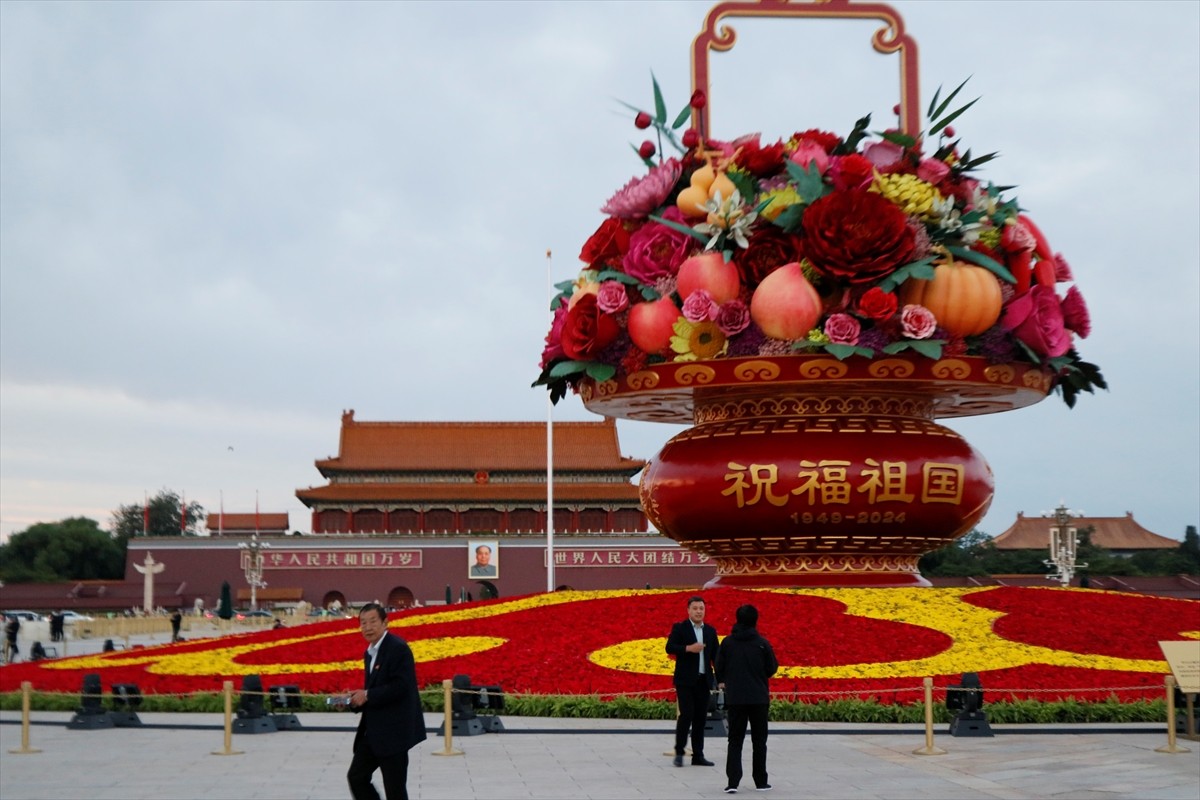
484,560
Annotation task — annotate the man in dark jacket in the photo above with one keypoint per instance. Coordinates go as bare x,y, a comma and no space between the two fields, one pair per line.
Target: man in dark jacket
392,722
694,645
745,661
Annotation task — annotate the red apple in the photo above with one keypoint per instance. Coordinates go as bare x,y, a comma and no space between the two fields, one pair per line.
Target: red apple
711,272
652,324
785,305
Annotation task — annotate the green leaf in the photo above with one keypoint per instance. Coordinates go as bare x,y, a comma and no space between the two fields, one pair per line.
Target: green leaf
660,108
930,348
844,351
935,113
564,368
809,184
988,263
683,117
952,117
933,102
681,228
922,269
744,183
789,219
856,136
971,163
613,275
600,372
649,292
896,137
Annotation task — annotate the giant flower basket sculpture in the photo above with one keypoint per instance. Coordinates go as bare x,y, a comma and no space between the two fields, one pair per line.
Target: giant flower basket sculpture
812,307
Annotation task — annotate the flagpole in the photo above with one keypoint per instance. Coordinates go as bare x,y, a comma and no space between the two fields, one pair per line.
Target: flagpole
550,582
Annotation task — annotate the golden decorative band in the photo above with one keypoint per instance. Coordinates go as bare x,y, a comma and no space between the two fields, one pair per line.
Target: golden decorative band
797,565
813,405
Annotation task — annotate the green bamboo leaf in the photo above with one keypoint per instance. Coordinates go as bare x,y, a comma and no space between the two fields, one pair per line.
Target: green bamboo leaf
937,128
896,137
683,117
933,115
681,228
933,102
660,108
975,257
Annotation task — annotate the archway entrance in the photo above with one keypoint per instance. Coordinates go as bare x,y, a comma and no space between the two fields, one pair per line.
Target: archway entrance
487,590
400,597
334,601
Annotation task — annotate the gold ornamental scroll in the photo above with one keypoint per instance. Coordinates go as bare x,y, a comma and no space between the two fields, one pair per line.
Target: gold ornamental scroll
891,38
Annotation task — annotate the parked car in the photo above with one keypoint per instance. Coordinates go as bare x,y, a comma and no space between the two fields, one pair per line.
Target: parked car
75,616
24,616
252,614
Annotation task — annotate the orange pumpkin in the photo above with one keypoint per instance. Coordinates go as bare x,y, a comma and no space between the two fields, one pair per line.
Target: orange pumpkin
965,298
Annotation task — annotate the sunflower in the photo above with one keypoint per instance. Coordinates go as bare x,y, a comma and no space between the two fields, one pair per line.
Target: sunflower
697,340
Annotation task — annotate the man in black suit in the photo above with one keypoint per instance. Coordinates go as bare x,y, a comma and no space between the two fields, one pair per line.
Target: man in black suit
391,722
694,645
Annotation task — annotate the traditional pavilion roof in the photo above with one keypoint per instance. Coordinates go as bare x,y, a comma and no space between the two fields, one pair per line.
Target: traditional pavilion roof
245,522
475,446
525,493
1111,533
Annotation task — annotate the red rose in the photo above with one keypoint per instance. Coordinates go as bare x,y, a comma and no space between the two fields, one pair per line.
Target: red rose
877,304
851,172
607,245
770,248
825,139
1036,319
587,330
857,236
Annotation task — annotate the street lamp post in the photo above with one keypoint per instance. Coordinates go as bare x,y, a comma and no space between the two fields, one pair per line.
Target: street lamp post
1063,544
254,567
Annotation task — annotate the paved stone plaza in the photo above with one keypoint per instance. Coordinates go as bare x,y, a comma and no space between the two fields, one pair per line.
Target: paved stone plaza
172,759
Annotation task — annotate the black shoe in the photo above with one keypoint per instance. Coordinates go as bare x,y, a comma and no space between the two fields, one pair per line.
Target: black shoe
766,787
730,790
678,761
701,761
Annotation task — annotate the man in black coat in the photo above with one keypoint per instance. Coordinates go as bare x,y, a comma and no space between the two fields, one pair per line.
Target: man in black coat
694,645
745,662
392,722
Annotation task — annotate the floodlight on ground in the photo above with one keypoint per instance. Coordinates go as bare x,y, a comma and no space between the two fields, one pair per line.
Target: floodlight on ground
126,697
490,700
463,699
91,714
251,712
966,698
285,700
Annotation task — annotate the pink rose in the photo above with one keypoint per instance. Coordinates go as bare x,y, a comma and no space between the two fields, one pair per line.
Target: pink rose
700,307
656,251
1036,318
808,152
883,154
917,322
932,170
733,317
1075,313
842,329
612,297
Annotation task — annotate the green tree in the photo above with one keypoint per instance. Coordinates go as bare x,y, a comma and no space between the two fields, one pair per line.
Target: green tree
225,607
1190,551
167,517
71,549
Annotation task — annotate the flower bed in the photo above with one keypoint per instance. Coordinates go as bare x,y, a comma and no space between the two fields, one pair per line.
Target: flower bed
1042,644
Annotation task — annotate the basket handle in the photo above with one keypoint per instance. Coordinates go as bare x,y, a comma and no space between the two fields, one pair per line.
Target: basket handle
888,39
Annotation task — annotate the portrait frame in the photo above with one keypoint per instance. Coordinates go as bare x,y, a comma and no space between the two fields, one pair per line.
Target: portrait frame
475,571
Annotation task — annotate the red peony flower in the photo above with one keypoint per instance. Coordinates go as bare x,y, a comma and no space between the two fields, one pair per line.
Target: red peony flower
1036,318
825,139
857,236
770,248
606,246
877,304
758,160
1075,313
587,330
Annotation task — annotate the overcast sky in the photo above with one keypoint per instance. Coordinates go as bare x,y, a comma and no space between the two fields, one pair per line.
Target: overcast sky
222,224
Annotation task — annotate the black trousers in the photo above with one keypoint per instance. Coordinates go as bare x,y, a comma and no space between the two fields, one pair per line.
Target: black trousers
693,713
737,716
394,770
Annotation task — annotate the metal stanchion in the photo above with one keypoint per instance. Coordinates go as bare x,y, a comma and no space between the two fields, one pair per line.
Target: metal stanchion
448,724
1171,746
26,688
228,751
928,749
